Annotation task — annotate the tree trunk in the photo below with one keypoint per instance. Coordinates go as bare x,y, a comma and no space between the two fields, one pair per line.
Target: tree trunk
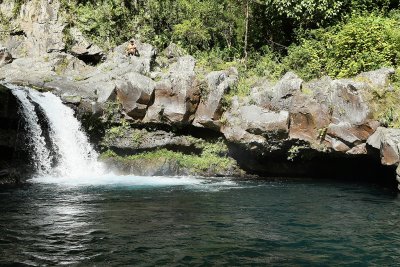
246,36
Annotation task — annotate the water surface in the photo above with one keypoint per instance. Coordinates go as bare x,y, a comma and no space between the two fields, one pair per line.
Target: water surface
200,223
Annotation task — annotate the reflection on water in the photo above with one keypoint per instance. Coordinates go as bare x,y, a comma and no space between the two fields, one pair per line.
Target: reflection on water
200,223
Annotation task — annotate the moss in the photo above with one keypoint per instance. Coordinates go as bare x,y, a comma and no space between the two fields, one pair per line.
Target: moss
112,133
68,39
62,66
48,79
385,105
213,158
137,137
306,91
79,78
111,113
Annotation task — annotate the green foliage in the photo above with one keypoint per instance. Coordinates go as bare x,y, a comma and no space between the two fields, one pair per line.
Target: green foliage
307,12
193,33
364,43
108,154
213,157
111,114
105,22
267,65
137,137
214,30
307,59
385,104
294,151
62,66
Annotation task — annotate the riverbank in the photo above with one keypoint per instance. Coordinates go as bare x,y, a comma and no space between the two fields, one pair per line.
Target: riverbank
163,113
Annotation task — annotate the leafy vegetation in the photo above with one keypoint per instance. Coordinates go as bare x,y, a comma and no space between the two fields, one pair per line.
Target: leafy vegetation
261,38
213,158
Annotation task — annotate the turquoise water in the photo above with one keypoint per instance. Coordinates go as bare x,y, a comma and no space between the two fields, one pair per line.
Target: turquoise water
200,223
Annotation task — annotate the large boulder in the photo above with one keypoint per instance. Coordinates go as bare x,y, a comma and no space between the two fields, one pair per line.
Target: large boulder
388,142
377,78
210,108
251,124
176,98
280,95
142,63
85,50
352,121
134,93
309,119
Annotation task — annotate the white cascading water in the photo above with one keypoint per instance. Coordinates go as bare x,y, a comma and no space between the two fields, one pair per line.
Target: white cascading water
40,153
77,158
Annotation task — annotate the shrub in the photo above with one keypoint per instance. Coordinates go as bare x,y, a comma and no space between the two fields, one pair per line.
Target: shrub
307,59
364,43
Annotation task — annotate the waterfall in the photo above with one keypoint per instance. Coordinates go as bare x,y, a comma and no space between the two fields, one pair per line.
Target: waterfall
75,156
37,144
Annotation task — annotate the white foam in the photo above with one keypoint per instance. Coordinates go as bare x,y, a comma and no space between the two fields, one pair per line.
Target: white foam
40,154
76,155
118,180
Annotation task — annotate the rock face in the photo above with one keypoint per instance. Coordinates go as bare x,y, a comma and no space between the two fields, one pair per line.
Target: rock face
170,99
176,97
37,30
134,94
377,78
83,49
210,108
13,154
388,143
141,140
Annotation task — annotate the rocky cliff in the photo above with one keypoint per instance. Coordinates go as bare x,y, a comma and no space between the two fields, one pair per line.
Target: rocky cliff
157,113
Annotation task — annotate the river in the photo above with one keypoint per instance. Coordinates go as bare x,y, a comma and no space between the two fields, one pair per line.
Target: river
188,221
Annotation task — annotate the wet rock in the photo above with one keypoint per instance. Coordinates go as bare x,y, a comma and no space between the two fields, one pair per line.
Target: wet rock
144,167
